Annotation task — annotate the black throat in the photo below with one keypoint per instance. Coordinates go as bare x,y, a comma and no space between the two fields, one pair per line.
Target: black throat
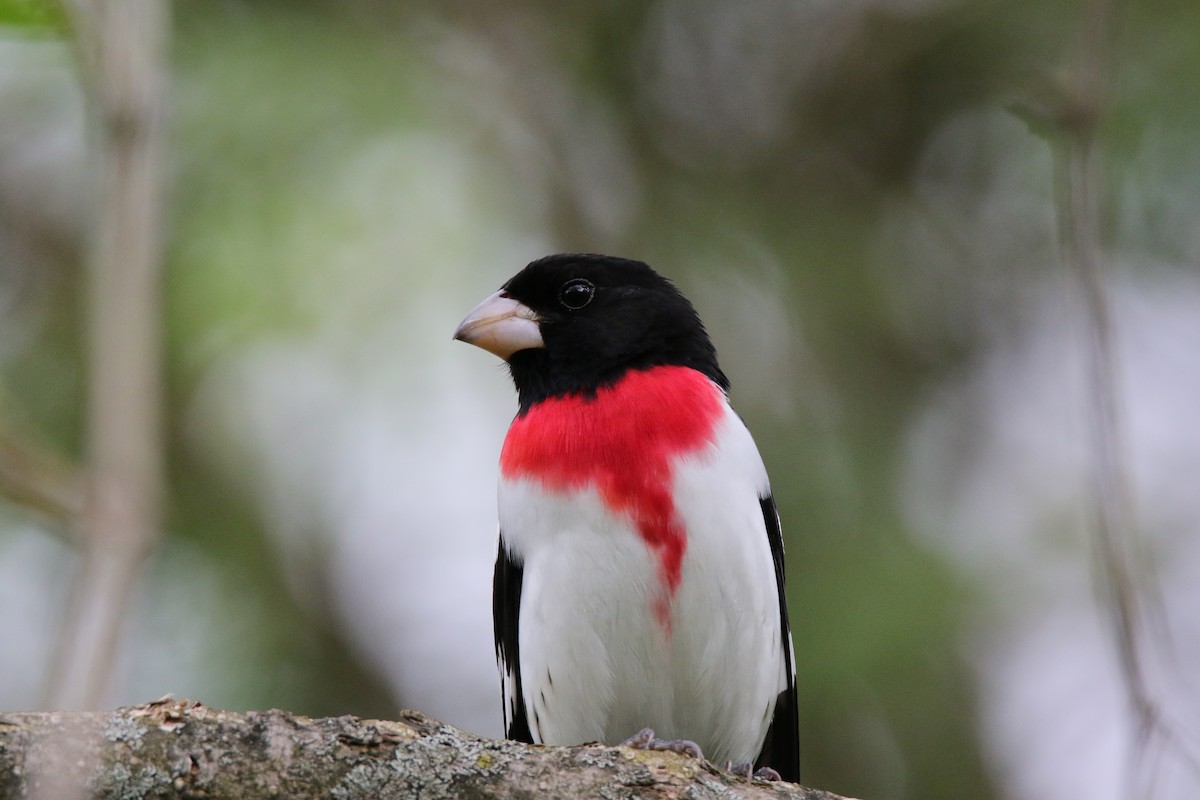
538,375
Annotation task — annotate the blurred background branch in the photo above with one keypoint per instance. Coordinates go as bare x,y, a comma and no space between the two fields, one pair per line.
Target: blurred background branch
123,46
1126,575
43,481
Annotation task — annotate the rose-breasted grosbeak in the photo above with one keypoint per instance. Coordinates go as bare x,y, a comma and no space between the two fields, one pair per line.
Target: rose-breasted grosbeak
640,574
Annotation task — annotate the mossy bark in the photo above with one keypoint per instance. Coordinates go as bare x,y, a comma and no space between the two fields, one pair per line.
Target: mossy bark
179,749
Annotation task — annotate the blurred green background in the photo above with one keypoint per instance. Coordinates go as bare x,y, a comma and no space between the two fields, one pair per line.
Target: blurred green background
865,225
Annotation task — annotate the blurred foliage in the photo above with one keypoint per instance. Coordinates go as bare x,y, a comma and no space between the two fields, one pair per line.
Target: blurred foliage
36,15
321,154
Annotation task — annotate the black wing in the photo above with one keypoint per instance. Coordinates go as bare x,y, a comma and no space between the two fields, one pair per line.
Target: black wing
781,749
506,609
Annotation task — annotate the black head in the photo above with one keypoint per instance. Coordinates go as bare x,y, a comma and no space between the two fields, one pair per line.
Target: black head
572,323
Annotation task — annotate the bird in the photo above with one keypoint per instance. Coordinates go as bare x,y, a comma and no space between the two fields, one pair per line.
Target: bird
639,579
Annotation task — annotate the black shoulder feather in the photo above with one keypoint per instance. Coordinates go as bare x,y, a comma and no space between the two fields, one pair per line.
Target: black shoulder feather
781,749
506,607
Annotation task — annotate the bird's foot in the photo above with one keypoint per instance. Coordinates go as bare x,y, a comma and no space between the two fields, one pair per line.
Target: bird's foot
646,740
747,770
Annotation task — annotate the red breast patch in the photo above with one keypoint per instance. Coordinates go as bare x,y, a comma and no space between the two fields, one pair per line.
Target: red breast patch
623,442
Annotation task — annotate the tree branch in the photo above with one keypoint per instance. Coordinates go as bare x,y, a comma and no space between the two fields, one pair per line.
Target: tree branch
122,46
1124,568
183,749
41,480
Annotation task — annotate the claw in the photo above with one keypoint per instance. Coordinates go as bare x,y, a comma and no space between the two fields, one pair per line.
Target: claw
646,740
640,740
747,770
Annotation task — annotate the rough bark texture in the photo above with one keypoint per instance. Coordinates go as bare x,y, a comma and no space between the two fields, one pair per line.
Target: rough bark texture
181,749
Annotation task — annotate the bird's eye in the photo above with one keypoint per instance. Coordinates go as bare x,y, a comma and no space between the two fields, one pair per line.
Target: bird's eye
576,293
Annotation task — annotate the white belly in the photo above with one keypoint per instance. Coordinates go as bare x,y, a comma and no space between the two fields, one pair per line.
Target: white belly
598,663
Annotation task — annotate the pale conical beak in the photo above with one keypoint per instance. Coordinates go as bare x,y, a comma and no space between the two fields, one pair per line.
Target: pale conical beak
501,326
